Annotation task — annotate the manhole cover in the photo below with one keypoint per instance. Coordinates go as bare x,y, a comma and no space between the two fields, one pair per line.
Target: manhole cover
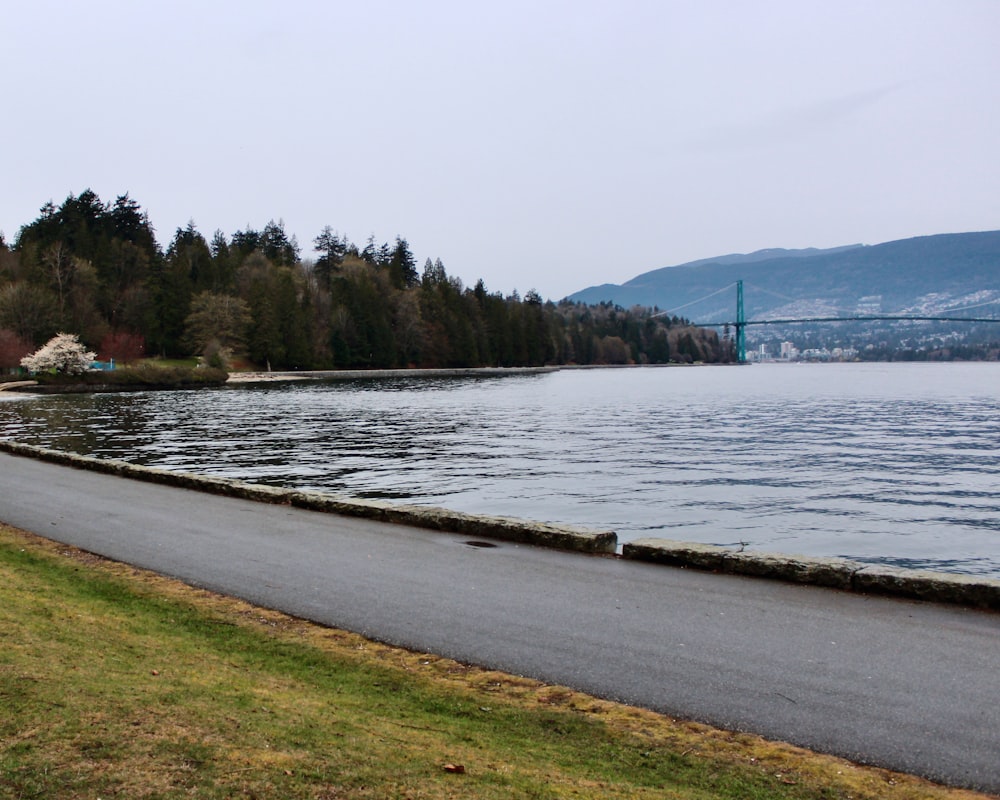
480,544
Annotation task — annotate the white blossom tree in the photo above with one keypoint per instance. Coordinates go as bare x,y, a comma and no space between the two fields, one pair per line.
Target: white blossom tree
62,353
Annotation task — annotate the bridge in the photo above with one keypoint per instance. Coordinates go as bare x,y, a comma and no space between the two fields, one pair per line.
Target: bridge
741,322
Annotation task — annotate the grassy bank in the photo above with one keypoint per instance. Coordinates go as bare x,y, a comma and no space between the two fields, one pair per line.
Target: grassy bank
141,377
117,682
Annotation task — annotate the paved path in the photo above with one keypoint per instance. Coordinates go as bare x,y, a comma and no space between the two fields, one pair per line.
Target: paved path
910,686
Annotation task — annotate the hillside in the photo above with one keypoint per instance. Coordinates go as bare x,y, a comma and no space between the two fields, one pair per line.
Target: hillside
928,274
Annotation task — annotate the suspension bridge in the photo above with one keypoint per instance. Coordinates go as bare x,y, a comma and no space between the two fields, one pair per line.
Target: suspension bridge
740,324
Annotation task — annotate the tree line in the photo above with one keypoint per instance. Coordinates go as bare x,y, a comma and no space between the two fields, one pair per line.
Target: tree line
96,269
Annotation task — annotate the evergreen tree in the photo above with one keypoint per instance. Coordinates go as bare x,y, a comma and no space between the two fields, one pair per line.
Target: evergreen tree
276,246
370,252
243,243
402,265
130,223
264,344
224,262
332,249
189,253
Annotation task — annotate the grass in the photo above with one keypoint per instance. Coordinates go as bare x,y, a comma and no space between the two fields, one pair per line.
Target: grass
188,363
146,374
115,682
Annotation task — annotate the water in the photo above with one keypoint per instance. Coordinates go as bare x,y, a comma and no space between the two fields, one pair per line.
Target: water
893,463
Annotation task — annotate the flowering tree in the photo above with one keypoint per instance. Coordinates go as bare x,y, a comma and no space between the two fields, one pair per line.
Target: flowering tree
62,353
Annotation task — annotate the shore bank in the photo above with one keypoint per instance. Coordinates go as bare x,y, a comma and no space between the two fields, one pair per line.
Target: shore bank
455,372
14,386
280,376
355,374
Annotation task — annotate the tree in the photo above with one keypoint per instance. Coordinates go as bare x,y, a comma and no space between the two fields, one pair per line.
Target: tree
10,264
370,252
332,249
361,333
62,353
434,273
80,223
658,349
216,317
29,310
612,350
131,223
408,327
122,346
257,286
245,242
402,265
189,253
125,278
686,348
12,349
98,260
276,245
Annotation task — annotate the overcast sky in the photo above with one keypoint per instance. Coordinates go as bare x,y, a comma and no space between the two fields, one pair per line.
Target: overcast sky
535,144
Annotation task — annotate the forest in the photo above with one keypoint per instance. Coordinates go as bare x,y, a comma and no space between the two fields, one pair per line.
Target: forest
96,269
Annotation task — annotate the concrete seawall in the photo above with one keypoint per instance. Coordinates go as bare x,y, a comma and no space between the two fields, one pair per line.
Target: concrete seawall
836,573
561,537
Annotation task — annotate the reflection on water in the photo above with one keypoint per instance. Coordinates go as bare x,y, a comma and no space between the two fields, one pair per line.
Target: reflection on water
877,462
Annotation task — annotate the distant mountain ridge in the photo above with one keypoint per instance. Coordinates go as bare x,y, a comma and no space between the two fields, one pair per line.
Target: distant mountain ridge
925,275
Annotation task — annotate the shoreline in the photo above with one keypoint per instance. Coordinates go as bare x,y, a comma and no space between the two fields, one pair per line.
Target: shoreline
15,386
354,374
256,376
286,376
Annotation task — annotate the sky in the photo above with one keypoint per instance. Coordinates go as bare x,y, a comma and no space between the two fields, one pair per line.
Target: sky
534,144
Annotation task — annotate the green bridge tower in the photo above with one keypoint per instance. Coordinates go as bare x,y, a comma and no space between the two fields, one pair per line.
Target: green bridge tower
741,324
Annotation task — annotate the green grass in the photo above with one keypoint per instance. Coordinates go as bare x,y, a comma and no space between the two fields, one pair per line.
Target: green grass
147,374
118,683
188,363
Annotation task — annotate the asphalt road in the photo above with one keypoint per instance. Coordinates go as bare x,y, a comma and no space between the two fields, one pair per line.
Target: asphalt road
905,685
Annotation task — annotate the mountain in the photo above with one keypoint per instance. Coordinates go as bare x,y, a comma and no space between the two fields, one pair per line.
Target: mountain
923,275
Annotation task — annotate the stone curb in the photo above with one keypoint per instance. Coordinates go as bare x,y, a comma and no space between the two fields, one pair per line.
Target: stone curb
837,573
560,537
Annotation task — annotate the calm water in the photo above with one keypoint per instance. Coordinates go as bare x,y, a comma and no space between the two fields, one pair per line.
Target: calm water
876,462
